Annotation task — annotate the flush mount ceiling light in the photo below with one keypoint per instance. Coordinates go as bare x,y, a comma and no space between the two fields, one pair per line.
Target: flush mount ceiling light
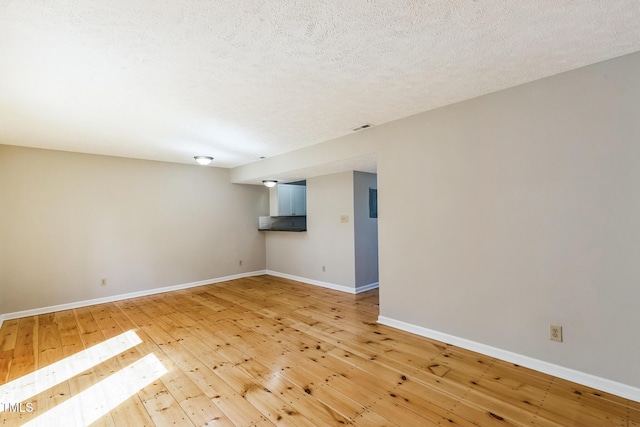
203,160
269,183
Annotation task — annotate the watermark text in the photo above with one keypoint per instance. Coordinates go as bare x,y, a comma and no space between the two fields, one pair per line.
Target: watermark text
17,407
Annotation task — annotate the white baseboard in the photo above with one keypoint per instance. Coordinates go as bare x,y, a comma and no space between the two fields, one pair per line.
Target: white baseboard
603,384
85,303
78,304
328,285
368,287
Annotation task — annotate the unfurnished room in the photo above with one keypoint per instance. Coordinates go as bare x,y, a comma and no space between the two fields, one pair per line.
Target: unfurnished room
320,213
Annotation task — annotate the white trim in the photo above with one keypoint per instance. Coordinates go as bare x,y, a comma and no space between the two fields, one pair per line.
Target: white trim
368,287
328,285
609,386
78,304
85,303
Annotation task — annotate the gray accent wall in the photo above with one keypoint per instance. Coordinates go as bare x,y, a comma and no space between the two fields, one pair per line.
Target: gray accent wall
365,230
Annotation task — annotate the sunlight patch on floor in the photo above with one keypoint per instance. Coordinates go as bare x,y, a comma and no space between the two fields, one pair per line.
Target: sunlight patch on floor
43,379
99,399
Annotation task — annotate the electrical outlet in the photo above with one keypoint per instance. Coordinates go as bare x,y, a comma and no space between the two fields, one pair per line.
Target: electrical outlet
240,262
324,268
103,282
344,218
555,333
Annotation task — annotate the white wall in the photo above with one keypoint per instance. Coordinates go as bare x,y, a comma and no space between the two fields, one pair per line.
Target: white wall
68,220
273,201
365,230
334,156
505,213
327,242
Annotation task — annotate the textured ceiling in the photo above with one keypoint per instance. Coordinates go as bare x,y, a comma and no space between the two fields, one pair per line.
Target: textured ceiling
170,79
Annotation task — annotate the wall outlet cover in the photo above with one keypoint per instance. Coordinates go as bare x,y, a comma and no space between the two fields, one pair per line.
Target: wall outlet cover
555,333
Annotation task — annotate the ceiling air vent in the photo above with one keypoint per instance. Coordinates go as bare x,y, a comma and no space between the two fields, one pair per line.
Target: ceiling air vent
365,126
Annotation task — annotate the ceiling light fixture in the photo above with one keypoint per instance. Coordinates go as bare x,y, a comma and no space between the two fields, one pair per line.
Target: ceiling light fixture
203,160
269,183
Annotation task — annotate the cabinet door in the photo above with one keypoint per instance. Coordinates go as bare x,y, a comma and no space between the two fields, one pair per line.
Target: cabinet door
285,200
299,200
292,200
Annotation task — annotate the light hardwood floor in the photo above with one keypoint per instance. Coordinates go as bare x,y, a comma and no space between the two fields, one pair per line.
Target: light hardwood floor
268,351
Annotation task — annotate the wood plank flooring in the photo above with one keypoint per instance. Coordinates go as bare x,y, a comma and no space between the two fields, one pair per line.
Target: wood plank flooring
266,351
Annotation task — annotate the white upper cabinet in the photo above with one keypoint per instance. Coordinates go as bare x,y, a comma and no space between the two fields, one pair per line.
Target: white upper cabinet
292,200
